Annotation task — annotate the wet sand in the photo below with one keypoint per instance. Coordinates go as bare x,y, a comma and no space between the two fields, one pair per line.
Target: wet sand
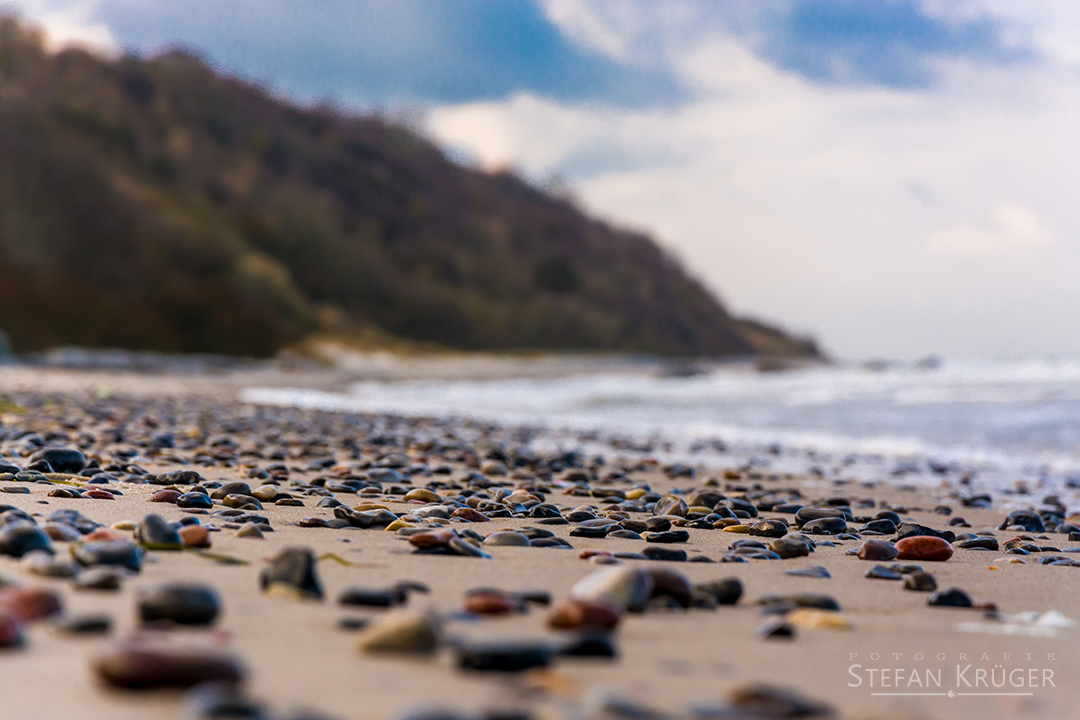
670,661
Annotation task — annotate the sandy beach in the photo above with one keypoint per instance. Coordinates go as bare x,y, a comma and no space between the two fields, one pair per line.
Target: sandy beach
1011,656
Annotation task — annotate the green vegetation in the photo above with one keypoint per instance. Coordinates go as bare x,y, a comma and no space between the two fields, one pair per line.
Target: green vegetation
156,204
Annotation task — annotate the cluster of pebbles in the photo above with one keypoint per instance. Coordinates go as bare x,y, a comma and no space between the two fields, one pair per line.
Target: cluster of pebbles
442,488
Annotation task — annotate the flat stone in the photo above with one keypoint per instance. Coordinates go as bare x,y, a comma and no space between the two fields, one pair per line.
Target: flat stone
139,666
504,656
179,602
401,632
120,553
880,572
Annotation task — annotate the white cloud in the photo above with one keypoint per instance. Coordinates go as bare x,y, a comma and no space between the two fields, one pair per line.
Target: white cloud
1012,229
68,23
794,200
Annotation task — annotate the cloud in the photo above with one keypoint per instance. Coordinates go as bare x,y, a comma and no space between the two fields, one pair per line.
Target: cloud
1012,229
67,23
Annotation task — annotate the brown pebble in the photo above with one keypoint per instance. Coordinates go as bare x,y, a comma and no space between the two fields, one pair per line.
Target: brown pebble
432,538
98,495
924,547
491,603
469,515
195,536
30,604
877,550
584,615
137,666
165,496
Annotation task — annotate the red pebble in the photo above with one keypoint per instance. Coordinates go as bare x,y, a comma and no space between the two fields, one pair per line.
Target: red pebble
98,495
10,633
165,496
491,603
30,604
431,538
470,515
586,554
924,547
106,534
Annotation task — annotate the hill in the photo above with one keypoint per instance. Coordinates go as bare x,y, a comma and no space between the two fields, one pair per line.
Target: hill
156,204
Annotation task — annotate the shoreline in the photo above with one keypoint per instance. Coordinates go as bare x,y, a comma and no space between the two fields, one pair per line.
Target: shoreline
669,659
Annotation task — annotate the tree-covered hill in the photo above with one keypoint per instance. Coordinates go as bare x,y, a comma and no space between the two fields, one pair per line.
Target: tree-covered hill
156,204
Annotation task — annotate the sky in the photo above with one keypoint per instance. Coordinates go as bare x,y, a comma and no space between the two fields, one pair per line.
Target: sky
893,177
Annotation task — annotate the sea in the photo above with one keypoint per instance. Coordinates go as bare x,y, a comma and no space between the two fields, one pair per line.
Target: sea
1007,423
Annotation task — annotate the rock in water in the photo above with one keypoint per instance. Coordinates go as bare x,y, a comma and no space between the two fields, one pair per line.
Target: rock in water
181,603
292,572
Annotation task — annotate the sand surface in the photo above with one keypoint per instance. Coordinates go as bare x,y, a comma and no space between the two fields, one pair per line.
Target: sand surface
669,660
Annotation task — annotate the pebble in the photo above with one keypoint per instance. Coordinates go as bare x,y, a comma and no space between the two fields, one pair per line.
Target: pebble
664,554
815,571
813,619
931,549
789,548
61,460
11,635
584,615
766,702
107,579
134,665
18,538
194,500
179,602
726,591
504,656
671,583
249,530
982,543
492,602
30,604
625,587
877,550
826,526
920,582
155,533
776,628
367,597
41,563
401,632
668,536
292,573
880,572
769,528
782,604
84,625
121,553
194,536
507,538
953,597
671,505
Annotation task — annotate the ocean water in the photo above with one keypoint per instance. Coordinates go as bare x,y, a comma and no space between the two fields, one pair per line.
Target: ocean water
1008,420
